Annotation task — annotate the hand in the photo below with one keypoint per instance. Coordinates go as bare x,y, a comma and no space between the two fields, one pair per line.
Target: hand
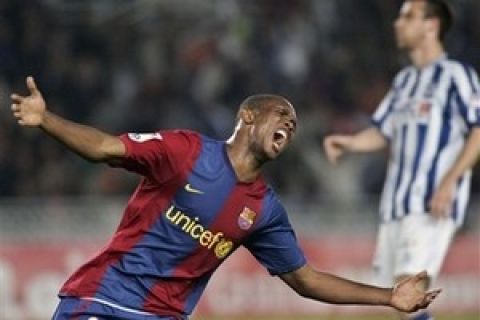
442,199
30,110
335,146
408,297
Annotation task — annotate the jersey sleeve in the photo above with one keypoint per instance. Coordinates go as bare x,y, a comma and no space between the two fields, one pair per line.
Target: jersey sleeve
274,244
382,117
157,155
468,97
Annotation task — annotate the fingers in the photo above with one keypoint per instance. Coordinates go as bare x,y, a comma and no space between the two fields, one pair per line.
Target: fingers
441,201
439,207
16,98
421,276
331,150
16,111
429,297
32,87
425,302
435,205
409,297
433,293
18,116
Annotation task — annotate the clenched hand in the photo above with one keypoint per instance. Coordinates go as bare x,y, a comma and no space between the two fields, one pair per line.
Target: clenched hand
335,146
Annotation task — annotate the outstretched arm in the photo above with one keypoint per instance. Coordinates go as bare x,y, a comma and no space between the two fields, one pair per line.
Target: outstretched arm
405,296
368,140
88,142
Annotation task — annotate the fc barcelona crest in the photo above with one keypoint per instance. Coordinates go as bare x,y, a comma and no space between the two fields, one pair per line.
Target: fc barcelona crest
246,218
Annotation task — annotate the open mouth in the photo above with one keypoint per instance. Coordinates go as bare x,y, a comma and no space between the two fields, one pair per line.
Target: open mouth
280,138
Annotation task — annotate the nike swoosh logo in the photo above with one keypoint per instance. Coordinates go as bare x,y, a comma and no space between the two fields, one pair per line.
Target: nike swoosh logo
190,189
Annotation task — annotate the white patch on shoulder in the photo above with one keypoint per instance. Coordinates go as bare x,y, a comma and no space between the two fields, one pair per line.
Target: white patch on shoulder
142,137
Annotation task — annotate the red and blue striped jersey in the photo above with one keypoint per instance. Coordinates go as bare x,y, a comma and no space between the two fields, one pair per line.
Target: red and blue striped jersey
187,215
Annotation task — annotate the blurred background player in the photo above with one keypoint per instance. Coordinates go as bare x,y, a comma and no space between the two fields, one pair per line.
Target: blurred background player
198,201
430,122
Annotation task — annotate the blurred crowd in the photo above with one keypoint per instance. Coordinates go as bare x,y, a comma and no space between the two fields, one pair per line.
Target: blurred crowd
140,66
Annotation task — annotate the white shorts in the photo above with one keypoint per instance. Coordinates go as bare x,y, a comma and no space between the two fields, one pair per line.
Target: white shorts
407,246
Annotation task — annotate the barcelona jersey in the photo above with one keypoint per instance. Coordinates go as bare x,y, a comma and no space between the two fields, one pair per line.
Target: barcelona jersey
188,214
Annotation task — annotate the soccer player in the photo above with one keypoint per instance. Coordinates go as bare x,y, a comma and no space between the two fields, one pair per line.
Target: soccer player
430,122
199,200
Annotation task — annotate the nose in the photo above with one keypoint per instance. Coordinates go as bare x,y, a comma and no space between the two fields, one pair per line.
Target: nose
291,125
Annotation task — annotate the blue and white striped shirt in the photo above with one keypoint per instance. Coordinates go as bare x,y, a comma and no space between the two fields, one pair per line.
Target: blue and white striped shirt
427,116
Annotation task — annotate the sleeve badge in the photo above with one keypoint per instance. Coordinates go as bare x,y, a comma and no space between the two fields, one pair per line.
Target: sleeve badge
142,137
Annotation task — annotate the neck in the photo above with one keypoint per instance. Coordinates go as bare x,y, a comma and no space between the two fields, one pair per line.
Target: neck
426,54
247,168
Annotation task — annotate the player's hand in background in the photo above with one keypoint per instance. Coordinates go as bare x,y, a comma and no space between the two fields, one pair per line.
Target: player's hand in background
29,110
335,146
408,296
442,199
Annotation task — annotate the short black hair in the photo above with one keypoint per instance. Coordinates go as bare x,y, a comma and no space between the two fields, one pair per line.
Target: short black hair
442,11
258,101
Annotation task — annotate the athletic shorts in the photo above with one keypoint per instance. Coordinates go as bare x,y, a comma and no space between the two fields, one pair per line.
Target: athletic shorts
412,244
71,308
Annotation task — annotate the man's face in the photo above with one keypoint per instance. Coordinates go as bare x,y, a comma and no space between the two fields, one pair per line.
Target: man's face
273,129
411,25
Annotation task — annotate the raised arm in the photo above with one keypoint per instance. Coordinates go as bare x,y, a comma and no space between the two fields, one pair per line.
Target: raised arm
368,140
405,296
88,142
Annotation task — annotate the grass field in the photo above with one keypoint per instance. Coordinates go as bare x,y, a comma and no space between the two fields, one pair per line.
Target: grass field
339,317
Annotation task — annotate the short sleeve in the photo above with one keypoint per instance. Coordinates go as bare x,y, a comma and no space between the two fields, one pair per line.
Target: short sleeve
468,97
157,155
382,118
274,244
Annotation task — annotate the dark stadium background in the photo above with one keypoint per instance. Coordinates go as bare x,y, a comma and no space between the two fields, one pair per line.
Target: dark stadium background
124,65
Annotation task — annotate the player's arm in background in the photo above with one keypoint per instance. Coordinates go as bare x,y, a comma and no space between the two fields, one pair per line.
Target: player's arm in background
367,140
88,142
371,139
469,98
406,296
443,196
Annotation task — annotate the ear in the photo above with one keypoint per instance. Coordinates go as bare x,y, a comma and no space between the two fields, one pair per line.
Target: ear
433,25
247,116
